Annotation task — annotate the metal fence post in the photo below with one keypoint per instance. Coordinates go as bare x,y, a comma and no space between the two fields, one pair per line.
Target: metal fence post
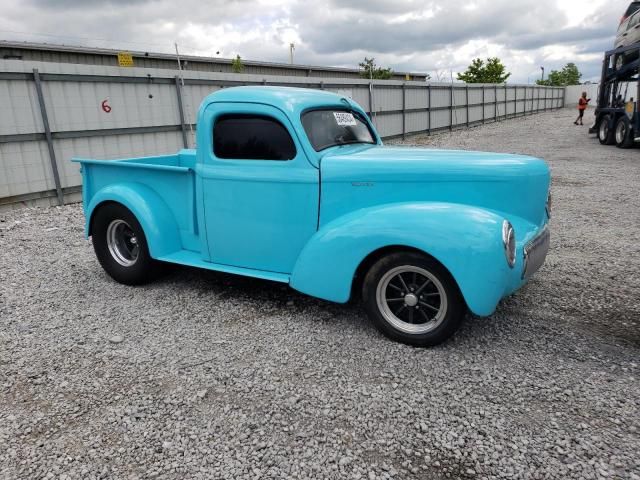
506,100
524,109
515,101
545,99
495,102
429,109
371,101
483,101
451,107
466,96
47,134
183,127
404,111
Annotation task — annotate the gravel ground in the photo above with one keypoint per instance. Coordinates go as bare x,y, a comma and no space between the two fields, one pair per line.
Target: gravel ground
203,375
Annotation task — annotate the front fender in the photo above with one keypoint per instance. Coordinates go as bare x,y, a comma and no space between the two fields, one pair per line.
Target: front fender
466,240
158,223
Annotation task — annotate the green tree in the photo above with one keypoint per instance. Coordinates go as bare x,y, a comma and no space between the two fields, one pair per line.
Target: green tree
236,65
493,71
569,75
371,70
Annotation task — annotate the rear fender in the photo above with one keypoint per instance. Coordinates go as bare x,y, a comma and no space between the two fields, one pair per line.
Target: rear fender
158,223
466,240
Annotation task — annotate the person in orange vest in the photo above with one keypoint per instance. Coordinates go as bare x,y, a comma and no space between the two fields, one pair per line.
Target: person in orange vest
582,106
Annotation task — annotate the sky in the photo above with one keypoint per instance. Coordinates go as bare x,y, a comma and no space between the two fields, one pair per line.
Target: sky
439,37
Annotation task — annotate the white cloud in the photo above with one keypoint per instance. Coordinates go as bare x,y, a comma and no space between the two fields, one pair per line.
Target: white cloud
416,35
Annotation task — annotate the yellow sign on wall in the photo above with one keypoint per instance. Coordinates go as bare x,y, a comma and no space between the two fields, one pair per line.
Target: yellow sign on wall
125,59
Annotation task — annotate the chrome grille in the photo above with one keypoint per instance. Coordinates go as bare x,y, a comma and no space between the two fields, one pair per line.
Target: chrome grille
535,253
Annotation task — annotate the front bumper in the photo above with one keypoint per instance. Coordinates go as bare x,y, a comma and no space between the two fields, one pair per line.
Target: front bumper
531,254
535,253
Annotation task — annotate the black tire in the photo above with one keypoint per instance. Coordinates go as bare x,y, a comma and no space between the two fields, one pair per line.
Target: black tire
139,268
408,324
623,133
606,134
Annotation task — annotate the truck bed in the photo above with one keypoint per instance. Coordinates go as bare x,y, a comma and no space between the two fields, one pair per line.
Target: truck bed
170,176
184,159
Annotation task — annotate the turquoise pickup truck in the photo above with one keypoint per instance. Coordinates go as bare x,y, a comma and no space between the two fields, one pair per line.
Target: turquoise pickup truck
295,186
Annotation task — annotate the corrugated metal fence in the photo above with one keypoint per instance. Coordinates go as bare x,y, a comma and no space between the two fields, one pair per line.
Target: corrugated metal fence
50,112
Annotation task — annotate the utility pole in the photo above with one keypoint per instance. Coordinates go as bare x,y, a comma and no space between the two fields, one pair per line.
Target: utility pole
292,47
182,83
179,63
542,78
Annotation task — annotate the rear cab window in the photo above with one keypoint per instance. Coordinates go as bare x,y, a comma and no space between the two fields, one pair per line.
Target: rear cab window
251,137
330,127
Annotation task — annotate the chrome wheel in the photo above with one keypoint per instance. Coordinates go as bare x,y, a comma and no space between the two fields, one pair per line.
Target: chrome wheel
122,243
411,299
603,131
621,132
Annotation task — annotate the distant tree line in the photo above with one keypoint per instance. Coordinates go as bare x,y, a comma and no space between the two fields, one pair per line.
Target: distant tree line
569,75
372,71
491,71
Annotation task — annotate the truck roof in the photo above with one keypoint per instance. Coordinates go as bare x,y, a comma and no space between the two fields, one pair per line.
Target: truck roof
288,99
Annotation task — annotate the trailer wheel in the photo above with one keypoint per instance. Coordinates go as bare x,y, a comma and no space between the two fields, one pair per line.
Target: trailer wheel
605,132
624,133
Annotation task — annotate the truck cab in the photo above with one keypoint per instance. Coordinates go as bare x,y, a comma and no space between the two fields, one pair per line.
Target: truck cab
295,186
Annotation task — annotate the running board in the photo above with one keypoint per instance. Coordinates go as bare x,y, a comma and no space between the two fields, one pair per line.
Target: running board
192,259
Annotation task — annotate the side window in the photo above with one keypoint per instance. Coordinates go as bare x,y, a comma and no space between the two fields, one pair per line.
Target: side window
252,137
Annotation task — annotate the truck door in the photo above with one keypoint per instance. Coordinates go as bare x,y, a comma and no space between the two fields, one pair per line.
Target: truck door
259,190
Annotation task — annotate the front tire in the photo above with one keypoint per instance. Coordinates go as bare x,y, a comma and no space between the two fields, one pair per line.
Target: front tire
605,132
413,299
624,133
121,246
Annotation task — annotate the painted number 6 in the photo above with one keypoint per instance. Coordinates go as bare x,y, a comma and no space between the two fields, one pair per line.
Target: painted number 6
105,106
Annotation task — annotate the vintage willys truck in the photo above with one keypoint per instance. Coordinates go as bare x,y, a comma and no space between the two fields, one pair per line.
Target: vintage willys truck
295,186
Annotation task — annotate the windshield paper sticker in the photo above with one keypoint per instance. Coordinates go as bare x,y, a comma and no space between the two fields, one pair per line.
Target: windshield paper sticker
345,119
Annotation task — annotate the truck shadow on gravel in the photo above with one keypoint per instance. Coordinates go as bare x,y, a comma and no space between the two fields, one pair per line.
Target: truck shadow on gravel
265,296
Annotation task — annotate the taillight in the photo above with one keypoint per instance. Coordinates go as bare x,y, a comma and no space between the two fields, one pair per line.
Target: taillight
623,19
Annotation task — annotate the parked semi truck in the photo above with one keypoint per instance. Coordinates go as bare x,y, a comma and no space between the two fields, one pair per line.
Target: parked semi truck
616,116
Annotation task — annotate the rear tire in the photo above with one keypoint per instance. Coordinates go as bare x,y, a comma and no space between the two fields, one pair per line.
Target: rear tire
121,246
606,134
624,133
413,299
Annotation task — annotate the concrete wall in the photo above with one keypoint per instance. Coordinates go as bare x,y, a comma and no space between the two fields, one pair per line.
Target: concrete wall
572,93
144,108
627,89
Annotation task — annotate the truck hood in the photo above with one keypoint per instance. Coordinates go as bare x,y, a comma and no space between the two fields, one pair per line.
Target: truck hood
352,177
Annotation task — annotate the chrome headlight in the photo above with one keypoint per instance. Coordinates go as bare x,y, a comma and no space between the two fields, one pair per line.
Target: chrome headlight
509,242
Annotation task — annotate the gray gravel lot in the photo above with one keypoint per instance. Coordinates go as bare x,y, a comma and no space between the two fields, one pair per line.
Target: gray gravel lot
204,375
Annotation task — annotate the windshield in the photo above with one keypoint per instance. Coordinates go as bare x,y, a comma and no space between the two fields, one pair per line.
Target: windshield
327,128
